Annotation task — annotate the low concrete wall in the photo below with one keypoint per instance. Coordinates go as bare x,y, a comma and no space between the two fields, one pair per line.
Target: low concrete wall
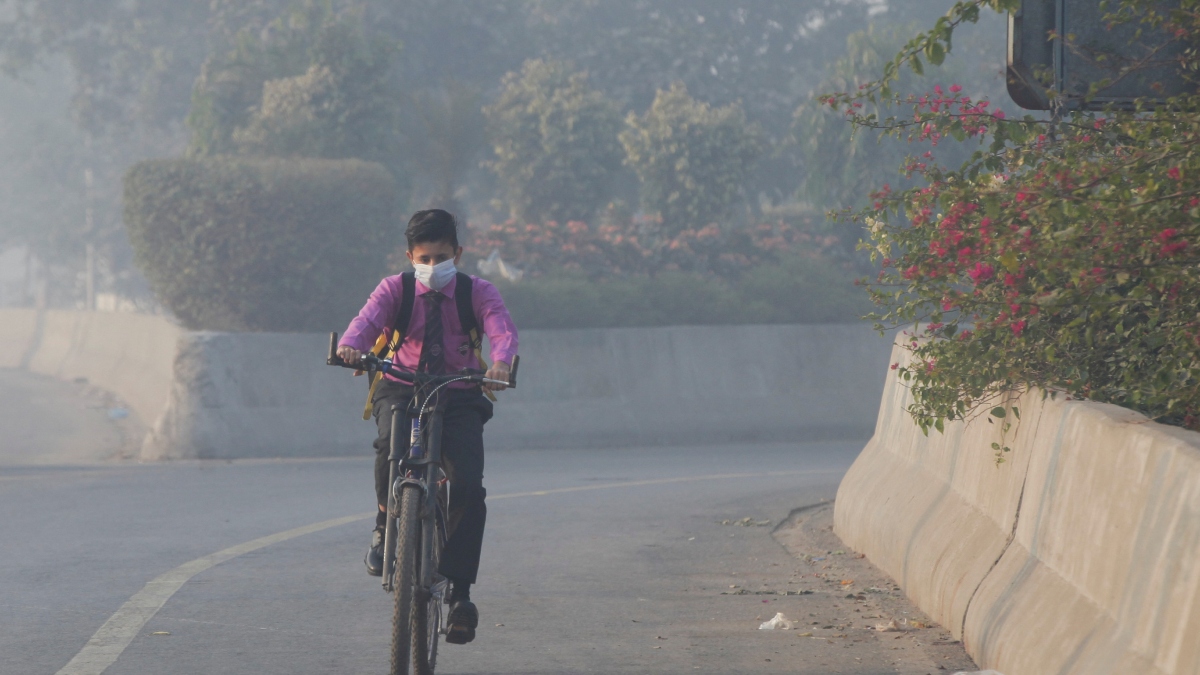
226,395
269,394
1079,554
131,355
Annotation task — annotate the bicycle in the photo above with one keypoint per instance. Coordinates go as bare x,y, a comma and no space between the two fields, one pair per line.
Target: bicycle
416,511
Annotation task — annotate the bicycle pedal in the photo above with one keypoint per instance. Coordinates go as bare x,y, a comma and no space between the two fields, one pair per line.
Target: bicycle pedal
460,635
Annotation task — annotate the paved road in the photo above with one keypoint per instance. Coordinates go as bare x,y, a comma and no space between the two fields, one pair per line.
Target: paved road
598,561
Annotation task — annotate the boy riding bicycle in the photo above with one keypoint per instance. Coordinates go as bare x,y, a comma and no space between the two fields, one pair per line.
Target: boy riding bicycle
420,315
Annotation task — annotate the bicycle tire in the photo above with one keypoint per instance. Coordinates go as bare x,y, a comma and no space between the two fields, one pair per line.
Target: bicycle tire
408,538
426,624
427,610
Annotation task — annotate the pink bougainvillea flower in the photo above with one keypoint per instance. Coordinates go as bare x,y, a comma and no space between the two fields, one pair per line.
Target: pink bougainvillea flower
981,272
1173,248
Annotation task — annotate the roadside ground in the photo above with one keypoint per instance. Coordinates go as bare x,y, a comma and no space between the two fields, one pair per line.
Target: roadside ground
853,606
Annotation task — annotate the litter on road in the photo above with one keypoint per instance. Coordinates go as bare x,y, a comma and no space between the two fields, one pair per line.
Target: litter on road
780,622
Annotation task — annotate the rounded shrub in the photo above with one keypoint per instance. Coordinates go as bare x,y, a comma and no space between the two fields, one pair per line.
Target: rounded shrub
261,245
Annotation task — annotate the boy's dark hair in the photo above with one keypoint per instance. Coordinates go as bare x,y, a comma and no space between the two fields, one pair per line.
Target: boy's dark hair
432,225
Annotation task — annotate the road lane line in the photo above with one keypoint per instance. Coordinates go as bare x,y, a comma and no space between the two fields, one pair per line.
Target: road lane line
111,640
666,481
115,635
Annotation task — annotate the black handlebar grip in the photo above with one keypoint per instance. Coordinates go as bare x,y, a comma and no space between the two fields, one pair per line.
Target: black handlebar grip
333,359
512,374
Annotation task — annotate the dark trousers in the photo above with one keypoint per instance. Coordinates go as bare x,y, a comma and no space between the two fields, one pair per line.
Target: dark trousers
462,460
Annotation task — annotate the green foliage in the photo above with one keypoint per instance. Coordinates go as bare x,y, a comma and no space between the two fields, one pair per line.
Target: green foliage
796,289
635,247
555,143
692,159
261,245
312,84
133,62
41,203
447,135
1062,255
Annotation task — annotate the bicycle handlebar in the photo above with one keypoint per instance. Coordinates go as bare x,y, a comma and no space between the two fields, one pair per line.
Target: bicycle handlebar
372,363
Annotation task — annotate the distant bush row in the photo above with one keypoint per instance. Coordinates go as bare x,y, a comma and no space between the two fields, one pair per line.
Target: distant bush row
793,290
237,244
641,247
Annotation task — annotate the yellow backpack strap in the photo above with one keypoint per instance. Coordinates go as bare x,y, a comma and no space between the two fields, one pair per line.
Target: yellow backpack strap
387,345
478,345
382,346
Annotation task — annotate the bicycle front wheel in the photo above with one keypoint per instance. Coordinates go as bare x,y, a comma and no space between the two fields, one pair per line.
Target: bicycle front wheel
427,607
408,546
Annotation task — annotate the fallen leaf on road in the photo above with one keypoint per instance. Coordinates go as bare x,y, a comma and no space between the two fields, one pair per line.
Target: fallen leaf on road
847,582
161,632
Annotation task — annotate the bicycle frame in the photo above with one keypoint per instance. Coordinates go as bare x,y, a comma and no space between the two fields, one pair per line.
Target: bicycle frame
418,463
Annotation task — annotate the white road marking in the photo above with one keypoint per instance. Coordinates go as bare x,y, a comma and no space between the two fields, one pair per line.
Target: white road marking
664,481
115,635
111,640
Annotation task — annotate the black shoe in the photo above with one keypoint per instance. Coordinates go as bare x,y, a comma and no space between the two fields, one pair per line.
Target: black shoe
462,622
374,559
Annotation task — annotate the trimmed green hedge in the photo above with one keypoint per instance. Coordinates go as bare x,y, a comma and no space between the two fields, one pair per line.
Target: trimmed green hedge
795,290
262,245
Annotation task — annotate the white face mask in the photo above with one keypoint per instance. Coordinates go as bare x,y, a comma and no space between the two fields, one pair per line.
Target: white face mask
435,276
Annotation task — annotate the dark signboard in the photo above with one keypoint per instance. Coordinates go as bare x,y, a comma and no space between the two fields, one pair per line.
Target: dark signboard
1138,61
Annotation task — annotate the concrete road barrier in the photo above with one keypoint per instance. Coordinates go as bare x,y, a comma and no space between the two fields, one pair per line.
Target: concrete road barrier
131,355
221,395
1079,554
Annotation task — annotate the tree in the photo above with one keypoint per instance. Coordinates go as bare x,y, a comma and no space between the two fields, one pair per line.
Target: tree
132,64
692,159
447,136
313,83
555,143
768,54
839,163
41,178
1062,255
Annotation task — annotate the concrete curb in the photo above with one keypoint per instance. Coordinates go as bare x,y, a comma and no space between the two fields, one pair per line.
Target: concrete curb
1079,554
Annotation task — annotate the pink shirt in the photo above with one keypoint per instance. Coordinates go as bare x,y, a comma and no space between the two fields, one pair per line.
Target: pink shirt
380,312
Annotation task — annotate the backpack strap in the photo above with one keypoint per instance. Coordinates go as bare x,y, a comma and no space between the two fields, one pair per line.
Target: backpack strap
464,287
389,342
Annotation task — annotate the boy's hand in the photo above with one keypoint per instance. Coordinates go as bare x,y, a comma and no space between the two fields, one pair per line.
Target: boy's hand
349,354
498,371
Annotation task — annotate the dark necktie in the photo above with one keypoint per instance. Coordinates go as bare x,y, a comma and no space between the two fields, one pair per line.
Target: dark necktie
433,356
